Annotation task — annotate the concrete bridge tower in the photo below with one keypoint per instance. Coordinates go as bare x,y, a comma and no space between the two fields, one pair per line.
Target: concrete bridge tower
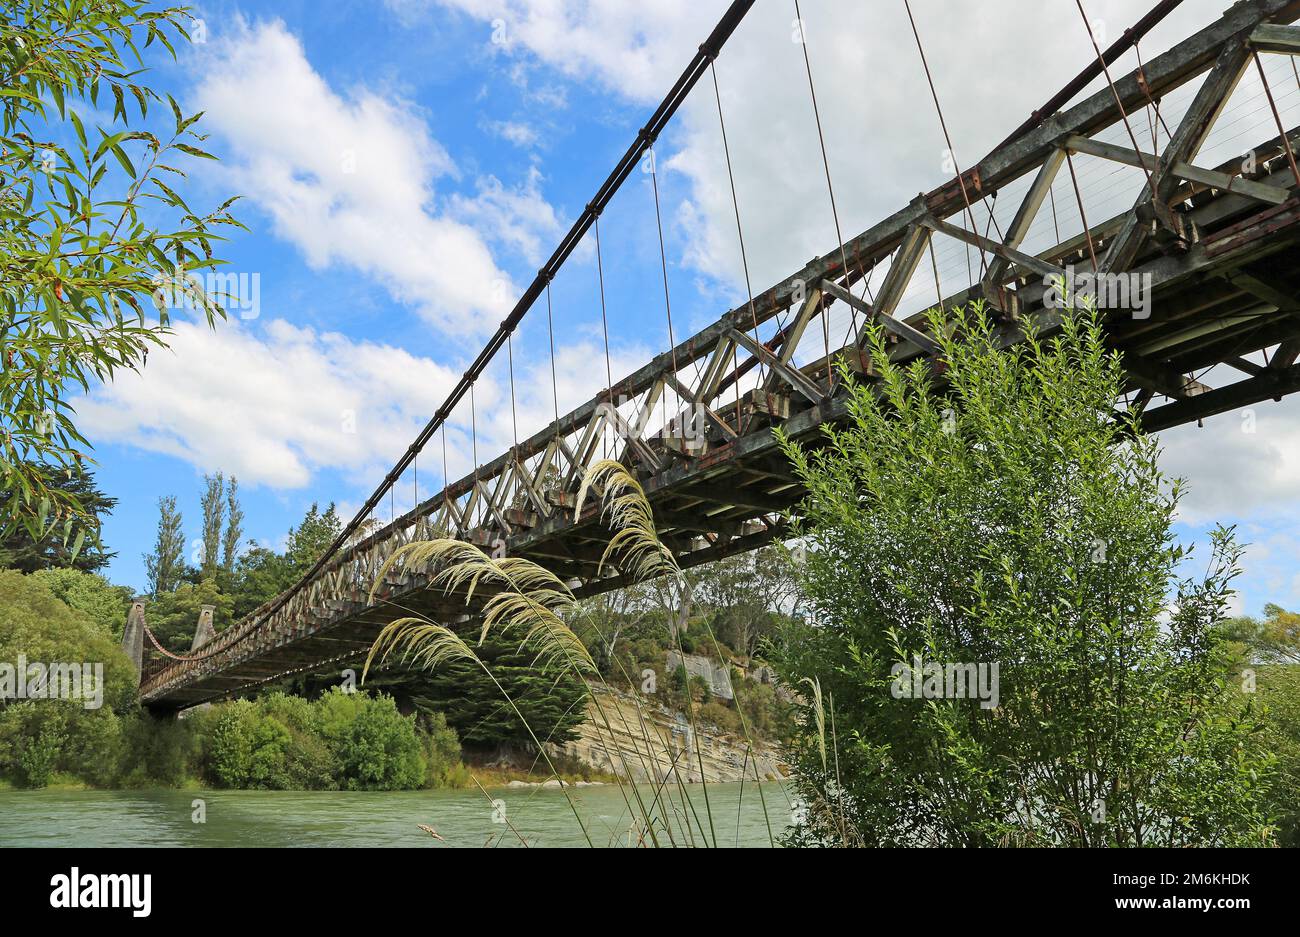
133,636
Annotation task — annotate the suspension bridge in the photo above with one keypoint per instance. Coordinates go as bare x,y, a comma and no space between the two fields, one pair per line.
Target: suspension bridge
1175,182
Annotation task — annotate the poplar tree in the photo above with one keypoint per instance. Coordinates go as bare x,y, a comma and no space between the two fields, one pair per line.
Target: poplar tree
214,507
165,565
234,527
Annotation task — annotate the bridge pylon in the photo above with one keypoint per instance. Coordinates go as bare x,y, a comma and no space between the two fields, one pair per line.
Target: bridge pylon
133,636
205,631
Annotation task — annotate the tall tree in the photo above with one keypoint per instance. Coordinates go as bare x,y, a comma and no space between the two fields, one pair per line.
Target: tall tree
310,539
81,256
1003,649
166,564
1276,639
51,549
214,506
234,527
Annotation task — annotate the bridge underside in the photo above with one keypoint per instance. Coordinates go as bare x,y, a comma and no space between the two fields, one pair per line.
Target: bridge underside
1218,247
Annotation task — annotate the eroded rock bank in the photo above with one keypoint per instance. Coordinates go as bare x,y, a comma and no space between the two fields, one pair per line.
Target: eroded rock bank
634,737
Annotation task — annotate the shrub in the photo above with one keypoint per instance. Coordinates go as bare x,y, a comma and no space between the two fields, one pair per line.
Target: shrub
1010,518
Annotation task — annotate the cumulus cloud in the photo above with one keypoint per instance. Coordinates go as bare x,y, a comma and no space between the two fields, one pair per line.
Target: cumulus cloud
519,218
276,404
349,178
520,134
1239,465
270,408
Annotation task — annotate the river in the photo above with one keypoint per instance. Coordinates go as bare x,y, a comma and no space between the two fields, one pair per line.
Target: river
542,817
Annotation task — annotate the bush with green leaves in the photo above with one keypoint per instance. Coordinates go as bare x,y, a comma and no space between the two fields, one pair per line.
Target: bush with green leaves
1008,509
42,738
106,604
1278,686
374,746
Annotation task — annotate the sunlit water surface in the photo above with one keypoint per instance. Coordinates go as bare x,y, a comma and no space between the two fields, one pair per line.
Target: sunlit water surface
542,817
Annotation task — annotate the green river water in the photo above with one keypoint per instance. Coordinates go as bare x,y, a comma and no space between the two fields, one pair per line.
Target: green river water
464,818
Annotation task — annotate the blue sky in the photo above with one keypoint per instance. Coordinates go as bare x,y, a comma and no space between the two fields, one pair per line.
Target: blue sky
407,166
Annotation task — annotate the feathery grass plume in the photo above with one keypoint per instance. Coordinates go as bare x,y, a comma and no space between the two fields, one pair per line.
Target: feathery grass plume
462,564
627,512
531,597
819,715
421,642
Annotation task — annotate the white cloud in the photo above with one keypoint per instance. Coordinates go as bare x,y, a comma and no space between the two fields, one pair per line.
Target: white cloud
270,408
1239,465
276,405
350,179
520,134
519,219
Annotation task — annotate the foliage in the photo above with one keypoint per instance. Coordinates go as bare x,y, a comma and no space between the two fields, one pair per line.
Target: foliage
1276,639
106,605
41,737
234,526
442,749
20,550
310,539
157,751
88,227
341,741
1279,691
165,566
745,598
213,505
1013,520
259,576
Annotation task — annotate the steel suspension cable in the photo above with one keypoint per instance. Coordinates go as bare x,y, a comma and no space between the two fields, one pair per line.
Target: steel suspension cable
1069,161
943,125
663,260
604,326
473,430
1286,141
514,416
1155,196
550,331
740,231
826,165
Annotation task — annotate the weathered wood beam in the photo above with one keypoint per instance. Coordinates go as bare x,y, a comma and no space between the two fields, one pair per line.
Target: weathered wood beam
795,378
892,324
1024,217
1270,37
1270,385
738,497
1028,261
1268,194
1192,130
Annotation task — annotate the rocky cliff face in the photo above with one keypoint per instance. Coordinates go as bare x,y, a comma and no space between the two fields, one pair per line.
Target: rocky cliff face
645,741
